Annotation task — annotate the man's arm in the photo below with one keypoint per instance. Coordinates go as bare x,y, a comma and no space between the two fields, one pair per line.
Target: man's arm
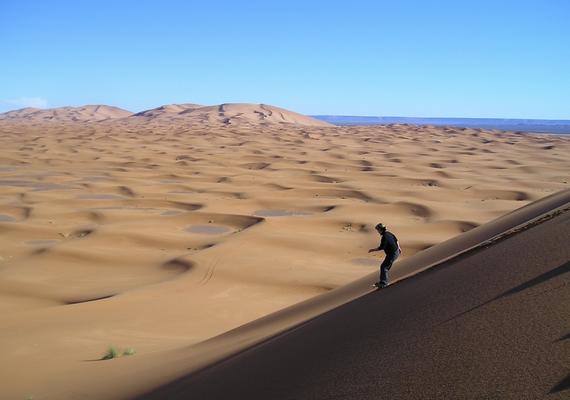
380,247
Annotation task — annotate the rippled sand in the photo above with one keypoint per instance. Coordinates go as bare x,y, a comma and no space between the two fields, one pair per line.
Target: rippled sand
159,236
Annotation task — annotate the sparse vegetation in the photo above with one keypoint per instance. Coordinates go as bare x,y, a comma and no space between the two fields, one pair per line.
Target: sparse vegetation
129,351
114,352
111,353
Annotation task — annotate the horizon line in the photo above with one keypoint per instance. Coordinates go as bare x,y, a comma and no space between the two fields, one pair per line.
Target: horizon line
415,117
307,114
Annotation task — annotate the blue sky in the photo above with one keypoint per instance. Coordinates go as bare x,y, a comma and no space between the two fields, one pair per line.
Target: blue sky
406,58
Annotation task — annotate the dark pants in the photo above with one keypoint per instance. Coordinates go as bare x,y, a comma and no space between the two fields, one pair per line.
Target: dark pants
386,265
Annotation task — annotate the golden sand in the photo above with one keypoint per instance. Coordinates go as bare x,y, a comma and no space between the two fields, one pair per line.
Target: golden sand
156,233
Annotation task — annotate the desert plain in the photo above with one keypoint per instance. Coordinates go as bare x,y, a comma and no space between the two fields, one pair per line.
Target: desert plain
153,232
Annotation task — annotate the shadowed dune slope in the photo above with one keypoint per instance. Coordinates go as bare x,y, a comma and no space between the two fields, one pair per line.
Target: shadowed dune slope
492,323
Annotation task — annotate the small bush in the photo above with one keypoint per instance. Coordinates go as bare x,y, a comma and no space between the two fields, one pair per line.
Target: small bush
111,353
129,352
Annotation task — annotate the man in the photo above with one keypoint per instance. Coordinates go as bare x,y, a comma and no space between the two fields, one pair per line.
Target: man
389,244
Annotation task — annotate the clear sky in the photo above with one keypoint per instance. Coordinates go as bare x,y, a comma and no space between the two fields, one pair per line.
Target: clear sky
457,58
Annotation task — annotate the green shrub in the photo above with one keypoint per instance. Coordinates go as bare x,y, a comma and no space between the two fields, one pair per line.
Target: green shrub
129,351
112,352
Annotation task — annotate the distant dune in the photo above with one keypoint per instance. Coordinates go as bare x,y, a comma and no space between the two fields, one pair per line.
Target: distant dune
234,114
88,113
167,110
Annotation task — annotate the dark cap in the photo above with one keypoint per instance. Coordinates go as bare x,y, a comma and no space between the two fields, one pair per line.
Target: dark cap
380,227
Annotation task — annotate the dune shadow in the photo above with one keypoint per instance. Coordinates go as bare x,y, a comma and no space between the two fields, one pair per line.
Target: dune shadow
562,385
563,269
81,233
563,338
178,264
69,302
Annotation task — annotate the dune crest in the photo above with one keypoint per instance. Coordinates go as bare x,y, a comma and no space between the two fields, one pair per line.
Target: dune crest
166,111
88,113
182,115
230,114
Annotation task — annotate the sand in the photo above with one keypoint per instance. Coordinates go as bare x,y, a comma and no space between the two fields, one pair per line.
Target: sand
88,113
157,232
491,323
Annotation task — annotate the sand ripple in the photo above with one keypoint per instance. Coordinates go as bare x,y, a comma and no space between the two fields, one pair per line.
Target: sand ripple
170,234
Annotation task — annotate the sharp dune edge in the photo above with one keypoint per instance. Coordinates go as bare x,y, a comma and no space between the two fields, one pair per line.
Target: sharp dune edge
163,229
490,321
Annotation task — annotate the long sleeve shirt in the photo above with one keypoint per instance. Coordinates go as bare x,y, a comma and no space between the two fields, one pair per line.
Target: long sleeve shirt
389,243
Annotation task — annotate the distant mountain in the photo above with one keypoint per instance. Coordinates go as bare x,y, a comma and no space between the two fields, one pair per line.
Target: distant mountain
226,114
89,113
235,114
523,125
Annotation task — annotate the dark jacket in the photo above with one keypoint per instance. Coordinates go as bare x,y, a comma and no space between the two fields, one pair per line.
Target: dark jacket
389,244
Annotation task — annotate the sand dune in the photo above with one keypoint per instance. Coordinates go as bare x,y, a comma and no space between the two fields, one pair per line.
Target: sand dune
226,114
490,323
167,111
235,114
89,113
159,232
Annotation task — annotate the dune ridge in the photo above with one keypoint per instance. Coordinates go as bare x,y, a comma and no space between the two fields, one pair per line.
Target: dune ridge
235,114
159,235
88,113
229,114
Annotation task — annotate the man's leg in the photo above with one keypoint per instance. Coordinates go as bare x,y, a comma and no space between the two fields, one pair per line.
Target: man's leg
385,267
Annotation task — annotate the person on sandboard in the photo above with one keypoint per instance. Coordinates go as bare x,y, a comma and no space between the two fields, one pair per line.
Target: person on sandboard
391,247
